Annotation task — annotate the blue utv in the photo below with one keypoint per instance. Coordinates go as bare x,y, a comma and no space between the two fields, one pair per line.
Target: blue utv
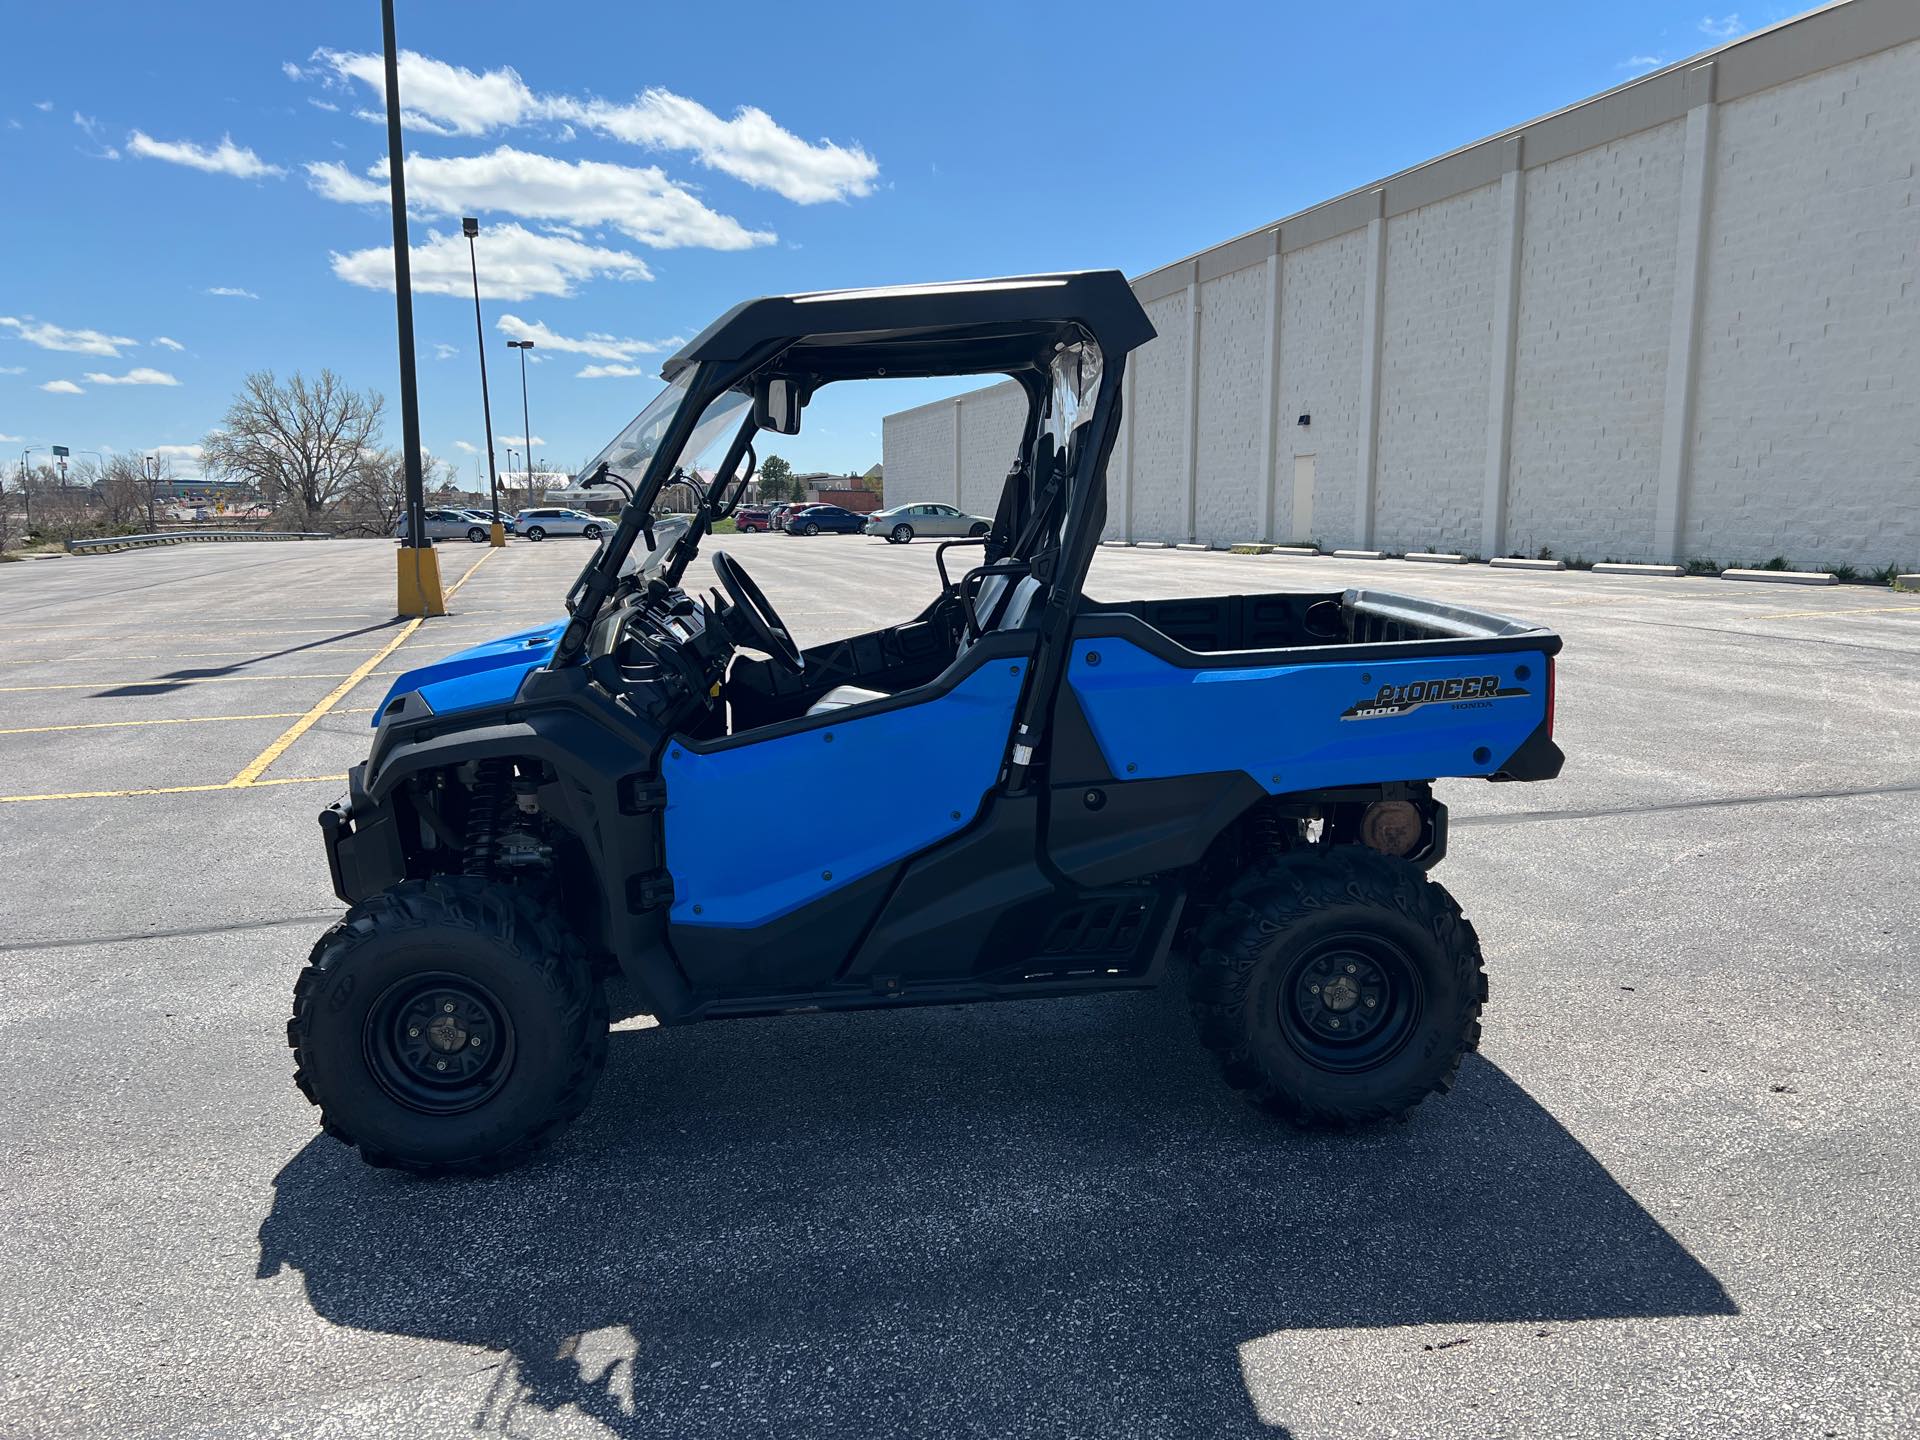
1243,782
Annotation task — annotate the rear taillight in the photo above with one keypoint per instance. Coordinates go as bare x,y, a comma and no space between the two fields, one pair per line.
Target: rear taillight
1550,687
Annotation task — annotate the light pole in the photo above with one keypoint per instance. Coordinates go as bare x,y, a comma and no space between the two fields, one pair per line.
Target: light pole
526,432
151,469
510,467
418,590
470,227
26,486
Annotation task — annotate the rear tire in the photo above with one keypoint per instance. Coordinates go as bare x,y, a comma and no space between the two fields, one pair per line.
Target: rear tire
810,528
534,532
447,1027
900,535
1338,990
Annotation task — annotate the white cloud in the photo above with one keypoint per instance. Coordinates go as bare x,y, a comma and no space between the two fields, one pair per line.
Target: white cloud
62,387
292,71
11,439
463,445
320,104
1642,62
445,99
167,341
444,351
1725,28
178,452
226,158
232,292
751,146
604,347
139,375
56,337
13,369
43,105
441,98
637,200
519,440
519,265
607,372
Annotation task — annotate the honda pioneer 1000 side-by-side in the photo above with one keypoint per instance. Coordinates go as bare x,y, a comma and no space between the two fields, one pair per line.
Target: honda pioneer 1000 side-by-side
1243,782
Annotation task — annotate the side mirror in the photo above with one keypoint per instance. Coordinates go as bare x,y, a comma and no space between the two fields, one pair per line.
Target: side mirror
776,405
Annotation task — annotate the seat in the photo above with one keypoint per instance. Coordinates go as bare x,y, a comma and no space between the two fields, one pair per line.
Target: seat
1012,613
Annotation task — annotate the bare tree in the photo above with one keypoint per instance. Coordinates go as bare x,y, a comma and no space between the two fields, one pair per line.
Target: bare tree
124,493
376,496
302,445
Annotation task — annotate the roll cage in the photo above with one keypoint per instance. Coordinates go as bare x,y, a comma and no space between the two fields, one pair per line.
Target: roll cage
1063,338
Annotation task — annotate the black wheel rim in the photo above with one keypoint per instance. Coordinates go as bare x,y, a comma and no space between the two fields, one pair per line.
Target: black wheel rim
1350,1002
439,1043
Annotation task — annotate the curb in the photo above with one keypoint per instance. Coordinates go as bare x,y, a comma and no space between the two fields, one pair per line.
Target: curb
1622,567
1427,557
1515,562
1783,577
1116,544
1906,582
1359,554
1150,545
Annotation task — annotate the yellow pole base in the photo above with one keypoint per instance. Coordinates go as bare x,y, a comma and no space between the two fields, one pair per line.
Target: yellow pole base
499,534
419,590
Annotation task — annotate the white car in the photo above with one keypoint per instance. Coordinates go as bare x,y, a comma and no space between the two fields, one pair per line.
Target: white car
537,524
448,525
904,523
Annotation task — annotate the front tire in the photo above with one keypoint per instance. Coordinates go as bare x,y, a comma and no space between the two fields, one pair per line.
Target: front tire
592,532
534,532
1338,990
447,1027
900,535
477,535
976,530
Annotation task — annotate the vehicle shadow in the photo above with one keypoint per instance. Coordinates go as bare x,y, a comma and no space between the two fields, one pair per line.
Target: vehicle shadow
1045,1218
173,679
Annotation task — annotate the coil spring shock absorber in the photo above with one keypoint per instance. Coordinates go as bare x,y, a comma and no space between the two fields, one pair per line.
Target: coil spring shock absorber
489,796
1267,832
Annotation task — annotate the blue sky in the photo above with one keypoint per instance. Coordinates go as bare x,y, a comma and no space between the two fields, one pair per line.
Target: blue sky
194,190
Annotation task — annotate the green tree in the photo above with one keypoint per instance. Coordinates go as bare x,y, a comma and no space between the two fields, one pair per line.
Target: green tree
776,479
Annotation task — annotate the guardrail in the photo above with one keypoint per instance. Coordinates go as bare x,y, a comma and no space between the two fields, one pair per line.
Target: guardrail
182,537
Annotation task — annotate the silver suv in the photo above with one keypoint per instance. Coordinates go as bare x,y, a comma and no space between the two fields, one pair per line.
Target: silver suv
449,525
537,524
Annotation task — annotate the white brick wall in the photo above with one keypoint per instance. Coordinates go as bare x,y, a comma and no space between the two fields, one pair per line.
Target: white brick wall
990,425
1807,423
1160,425
917,446
1590,362
1805,435
1233,369
1320,303
1436,363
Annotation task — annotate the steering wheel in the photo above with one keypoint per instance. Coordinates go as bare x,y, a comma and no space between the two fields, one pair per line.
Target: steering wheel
765,631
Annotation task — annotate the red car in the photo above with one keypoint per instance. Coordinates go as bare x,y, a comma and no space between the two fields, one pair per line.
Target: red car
753,520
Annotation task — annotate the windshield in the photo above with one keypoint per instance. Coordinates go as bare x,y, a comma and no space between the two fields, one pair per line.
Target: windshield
634,448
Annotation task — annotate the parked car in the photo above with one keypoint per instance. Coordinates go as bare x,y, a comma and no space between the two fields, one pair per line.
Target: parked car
906,522
448,525
812,519
540,523
783,513
753,520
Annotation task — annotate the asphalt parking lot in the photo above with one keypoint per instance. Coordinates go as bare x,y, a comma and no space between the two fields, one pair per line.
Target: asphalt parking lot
1674,1195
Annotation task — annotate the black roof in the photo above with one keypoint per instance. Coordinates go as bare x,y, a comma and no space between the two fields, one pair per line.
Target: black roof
960,327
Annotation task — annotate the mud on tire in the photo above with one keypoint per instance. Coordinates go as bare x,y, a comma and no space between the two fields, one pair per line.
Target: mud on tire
448,1026
1338,990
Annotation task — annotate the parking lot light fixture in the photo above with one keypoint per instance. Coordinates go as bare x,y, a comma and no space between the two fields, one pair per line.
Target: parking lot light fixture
470,227
526,425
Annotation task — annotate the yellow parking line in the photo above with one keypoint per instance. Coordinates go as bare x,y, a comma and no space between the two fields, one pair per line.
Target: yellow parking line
164,681
172,789
258,765
182,720
1863,610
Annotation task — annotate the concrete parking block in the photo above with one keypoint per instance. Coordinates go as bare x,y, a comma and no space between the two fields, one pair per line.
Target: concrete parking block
1150,545
1906,582
1516,562
1359,554
1190,545
1293,549
1622,567
1432,558
1783,577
